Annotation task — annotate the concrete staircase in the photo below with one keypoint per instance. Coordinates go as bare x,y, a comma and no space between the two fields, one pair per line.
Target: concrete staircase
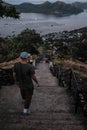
52,108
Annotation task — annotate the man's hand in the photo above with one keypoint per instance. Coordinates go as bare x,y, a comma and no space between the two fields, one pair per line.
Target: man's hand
37,85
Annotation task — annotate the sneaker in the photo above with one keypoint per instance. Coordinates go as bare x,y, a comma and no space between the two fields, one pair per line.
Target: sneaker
26,111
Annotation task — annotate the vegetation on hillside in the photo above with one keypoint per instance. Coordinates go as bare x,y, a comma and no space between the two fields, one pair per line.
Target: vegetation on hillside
28,40
8,10
69,45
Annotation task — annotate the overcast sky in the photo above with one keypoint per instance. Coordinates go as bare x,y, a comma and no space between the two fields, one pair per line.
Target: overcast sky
40,1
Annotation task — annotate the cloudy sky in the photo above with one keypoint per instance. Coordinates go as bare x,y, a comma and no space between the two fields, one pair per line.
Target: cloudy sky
40,1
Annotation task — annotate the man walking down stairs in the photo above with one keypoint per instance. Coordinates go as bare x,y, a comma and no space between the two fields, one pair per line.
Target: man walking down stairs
52,108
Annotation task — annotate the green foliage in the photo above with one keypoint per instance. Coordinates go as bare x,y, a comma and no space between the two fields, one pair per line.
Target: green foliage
8,10
81,51
28,41
11,12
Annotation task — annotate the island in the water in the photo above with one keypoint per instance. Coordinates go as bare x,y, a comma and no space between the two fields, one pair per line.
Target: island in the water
57,8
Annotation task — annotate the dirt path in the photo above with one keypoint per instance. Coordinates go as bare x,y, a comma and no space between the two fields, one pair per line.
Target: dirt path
51,108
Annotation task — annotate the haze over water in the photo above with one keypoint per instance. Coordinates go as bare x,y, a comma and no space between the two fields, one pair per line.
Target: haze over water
43,24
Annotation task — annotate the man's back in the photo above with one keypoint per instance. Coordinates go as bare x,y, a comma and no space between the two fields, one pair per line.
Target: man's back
24,74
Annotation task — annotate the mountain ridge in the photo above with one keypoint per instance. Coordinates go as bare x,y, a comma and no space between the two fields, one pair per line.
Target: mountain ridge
57,8
82,5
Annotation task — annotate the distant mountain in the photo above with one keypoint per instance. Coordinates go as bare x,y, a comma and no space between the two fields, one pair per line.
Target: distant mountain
57,8
80,5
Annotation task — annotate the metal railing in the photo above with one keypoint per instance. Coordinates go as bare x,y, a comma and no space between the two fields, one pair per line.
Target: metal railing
73,82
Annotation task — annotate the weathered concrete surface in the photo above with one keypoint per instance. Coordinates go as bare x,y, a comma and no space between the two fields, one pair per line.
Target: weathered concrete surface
51,108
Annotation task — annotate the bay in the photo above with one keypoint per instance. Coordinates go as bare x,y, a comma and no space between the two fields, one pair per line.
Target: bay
42,23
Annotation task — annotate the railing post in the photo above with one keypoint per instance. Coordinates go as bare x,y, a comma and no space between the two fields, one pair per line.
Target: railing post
59,76
76,101
70,80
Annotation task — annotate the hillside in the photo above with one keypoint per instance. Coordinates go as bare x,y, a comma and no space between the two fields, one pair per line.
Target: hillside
57,8
80,5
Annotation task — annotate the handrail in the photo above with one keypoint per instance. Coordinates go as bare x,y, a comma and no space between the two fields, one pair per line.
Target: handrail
68,78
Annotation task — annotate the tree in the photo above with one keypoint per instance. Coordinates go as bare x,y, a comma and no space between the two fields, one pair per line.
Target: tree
28,40
8,10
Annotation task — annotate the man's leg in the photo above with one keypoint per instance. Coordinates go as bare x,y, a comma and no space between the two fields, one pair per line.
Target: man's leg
22,91
28,98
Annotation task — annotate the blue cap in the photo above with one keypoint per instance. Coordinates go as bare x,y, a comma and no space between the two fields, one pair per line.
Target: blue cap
24,55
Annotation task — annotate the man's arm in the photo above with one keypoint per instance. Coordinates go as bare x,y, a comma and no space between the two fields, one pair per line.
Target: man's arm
35,79
14,76
16,82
